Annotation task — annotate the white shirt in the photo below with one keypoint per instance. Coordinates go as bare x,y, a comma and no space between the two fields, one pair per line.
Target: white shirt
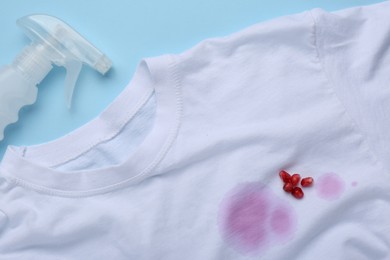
185,162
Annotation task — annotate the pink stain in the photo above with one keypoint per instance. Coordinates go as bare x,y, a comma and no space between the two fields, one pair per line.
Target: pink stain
354,183
253,218
247,218
330,186
281,221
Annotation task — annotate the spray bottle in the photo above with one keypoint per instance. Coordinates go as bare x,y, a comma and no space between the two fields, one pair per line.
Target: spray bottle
53,42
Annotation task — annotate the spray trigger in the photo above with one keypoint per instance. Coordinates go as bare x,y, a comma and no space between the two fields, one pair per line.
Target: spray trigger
54,41
73,69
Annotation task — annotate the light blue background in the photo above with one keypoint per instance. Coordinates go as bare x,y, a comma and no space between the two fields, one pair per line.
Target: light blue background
126,31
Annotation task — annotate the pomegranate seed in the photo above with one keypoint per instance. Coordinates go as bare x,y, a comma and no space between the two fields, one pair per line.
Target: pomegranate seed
295,178
285,176
297,193
306,182
288,187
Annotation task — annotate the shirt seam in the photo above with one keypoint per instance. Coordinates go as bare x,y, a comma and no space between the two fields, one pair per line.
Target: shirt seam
331,86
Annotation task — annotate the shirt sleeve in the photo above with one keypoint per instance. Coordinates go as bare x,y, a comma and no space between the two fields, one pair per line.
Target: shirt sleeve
354,48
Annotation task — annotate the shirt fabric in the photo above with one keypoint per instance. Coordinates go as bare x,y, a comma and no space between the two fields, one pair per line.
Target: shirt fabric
184,163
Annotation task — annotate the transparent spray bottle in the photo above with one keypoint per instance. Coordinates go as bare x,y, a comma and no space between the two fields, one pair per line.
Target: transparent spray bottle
53,42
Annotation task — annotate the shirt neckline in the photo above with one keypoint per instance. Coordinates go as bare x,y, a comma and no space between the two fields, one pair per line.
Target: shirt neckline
162,80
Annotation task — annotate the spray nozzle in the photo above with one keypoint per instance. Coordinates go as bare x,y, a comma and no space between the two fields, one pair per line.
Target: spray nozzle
53,41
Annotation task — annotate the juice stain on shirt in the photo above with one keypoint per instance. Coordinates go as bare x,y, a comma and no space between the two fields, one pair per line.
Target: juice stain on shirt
330,186
253,219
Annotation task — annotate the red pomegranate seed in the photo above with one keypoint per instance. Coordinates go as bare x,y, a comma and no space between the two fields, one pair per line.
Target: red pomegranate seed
295,178
285,176
306,182
288,187
297,193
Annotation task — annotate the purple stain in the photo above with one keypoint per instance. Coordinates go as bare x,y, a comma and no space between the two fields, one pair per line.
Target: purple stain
247,217
253,218
354,183
281,221
330,186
